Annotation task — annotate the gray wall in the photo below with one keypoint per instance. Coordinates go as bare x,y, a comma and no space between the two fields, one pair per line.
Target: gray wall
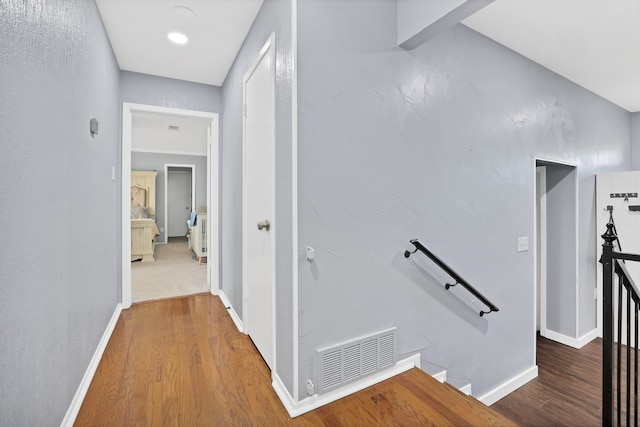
561,253
439,144
156,161
274,16
171,93
635,141
60,253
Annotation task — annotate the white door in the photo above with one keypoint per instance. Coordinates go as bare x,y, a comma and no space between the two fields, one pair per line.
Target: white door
178,202
258,204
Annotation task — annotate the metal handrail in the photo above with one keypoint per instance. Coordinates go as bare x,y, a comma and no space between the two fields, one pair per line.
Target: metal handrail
451,272
612,367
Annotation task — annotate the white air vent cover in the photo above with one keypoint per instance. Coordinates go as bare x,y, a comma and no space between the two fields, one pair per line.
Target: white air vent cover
356,358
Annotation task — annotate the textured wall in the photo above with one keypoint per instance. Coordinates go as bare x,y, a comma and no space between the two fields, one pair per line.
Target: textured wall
274,16
60,252
156,161
635,140
164,92
436,143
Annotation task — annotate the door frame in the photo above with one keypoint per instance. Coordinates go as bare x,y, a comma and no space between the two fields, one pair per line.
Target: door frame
213,193
268,48
541,222
574,341
168,166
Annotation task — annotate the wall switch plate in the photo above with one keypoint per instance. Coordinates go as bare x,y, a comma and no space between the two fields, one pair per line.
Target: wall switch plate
311,254
523,244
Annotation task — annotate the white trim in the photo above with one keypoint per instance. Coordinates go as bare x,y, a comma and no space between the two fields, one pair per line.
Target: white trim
178,152
543,249
268,49
570,341
294,191
296,408
213,206
509,386
440,376
587,338
466,389
232,313
125,177
547,333
577,210
81,392
167,166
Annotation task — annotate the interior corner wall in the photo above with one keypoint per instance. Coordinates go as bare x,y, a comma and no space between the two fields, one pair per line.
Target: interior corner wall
635,141
274,16
60,253
156,161
146,89
561,250
437,144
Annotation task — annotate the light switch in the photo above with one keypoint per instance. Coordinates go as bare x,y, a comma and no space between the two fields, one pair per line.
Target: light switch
523,244
310,253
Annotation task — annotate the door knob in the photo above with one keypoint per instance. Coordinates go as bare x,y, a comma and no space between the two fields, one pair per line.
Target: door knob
264,224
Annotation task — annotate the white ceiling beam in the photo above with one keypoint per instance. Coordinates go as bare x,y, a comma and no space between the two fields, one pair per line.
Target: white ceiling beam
421,20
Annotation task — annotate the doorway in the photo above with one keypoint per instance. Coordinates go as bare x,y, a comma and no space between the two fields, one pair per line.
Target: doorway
180,188
258,194
210,198
556,256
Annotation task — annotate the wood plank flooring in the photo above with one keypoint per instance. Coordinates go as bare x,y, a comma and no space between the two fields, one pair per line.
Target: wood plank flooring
567,391
182,362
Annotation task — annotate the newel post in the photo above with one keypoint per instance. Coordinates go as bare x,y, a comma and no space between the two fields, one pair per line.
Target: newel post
607,325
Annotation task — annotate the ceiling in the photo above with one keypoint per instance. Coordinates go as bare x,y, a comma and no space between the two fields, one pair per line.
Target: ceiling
138,32
594,43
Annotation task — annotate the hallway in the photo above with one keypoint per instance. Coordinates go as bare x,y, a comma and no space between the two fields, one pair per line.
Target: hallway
182,362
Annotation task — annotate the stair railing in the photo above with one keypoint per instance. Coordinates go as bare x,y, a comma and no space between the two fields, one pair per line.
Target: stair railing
459,280
619,392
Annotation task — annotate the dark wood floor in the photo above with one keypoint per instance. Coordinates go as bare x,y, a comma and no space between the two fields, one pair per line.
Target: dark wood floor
182,362
567,391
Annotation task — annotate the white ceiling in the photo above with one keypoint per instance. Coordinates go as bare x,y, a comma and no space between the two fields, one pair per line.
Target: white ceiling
594,43
138,32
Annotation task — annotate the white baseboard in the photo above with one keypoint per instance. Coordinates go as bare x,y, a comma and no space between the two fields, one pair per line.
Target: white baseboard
587,338
314,402
440,376
570,341
234,316
81,392
509,386
466,389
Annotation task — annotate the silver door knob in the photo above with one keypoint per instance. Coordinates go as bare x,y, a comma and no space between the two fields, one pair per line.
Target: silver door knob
264,224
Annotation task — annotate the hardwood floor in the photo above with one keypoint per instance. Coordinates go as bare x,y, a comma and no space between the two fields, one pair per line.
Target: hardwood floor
182,362
567,391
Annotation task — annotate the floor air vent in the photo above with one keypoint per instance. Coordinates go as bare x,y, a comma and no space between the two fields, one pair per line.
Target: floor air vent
354,359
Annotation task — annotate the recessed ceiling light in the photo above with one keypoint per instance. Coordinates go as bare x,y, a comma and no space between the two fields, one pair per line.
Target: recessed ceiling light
178,38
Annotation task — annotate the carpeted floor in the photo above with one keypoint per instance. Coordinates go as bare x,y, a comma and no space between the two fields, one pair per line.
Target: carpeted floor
174,273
